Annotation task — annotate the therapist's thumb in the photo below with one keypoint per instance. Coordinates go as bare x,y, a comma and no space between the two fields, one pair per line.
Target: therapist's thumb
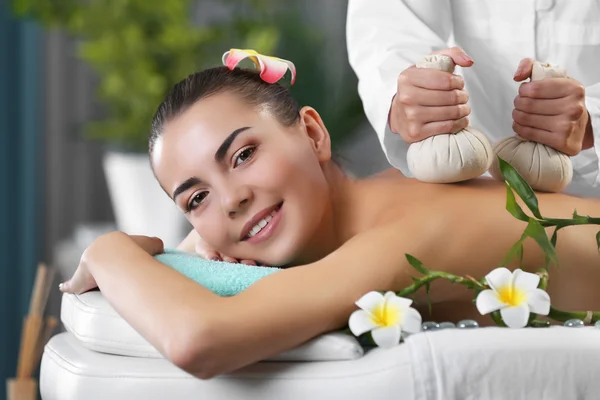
524,69
458,55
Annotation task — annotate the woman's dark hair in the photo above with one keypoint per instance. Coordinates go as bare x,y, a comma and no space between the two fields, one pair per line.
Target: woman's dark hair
248,84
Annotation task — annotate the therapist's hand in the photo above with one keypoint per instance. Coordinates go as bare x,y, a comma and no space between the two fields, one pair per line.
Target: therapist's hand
552,112
430,102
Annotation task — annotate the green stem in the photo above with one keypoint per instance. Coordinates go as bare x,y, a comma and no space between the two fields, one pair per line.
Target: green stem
543,274
568,222
433,275
562,316
497,318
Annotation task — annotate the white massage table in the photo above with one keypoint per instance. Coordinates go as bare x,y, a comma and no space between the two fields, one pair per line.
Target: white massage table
102,357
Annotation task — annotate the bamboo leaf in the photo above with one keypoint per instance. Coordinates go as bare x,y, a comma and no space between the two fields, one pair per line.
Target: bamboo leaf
513,207
554,237
522,188
418,265
520,254
515,251
536,231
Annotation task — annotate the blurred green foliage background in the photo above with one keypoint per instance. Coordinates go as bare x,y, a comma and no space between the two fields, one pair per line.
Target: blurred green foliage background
140,48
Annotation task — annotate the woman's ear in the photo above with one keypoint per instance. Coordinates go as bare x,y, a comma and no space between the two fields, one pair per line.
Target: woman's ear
317,133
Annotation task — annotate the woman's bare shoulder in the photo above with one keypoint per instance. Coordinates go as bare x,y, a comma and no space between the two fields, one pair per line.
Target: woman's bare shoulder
397,195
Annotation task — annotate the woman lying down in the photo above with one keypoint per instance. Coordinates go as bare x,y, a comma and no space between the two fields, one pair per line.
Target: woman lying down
253,174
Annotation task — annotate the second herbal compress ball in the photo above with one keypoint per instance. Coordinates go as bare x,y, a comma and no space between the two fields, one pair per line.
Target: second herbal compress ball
542,167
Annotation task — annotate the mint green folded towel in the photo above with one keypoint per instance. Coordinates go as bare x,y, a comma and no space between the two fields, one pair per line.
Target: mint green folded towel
222,278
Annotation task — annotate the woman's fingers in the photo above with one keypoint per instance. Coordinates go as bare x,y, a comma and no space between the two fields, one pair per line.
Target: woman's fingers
81,282
207,253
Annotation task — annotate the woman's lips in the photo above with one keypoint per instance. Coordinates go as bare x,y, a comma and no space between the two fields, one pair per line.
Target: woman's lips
267,231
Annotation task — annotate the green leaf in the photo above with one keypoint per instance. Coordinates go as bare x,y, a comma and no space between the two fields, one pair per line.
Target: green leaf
418,265
513,207
515,251
536,231
598,240
520,255
522,188
554,237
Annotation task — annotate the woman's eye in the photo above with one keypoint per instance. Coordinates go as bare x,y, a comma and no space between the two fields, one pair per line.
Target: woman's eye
243,156
196,200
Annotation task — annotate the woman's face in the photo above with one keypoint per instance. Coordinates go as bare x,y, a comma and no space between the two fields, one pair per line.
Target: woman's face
252,188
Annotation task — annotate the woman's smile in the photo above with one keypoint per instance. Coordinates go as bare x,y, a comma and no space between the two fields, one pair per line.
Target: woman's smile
262,226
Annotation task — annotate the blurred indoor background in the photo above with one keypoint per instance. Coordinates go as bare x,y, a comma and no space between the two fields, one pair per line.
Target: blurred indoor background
79,83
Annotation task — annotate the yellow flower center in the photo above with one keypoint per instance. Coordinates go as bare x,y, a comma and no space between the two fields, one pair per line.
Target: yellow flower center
512,296
385,315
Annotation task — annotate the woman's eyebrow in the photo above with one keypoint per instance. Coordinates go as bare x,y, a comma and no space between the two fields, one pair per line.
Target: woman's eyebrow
188,183
219,156
224,147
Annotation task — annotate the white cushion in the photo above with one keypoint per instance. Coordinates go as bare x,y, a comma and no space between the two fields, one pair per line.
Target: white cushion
71,371
99,327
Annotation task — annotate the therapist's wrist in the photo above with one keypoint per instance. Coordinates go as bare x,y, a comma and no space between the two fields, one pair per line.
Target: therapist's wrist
392,123
588,138
396,120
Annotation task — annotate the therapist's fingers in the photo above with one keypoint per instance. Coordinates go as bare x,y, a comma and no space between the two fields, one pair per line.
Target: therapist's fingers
442,127
542,106
524,69
413,95
458,55
553,88
428,78
422,115
541,122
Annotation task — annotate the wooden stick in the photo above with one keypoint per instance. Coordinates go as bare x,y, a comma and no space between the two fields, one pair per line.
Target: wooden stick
35,304
33,324
49,284
51,324
21,360
32,334
21,389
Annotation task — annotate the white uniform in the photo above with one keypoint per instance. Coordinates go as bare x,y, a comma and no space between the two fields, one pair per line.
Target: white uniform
387,36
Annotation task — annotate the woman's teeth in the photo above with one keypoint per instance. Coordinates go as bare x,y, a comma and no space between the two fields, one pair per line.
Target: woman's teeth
261,224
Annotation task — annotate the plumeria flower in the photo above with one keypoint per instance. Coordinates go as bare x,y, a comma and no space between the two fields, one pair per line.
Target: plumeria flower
386,316
272,69
515,294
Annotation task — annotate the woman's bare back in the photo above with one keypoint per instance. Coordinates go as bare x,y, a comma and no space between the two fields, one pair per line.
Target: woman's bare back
474,219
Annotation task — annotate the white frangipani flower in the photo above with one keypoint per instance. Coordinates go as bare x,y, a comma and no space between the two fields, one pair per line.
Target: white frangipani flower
515,294
386,316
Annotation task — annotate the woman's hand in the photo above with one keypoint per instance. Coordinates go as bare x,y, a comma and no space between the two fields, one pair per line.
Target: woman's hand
194,243
83,281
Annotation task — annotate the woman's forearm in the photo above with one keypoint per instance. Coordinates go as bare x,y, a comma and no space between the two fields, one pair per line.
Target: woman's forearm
171,311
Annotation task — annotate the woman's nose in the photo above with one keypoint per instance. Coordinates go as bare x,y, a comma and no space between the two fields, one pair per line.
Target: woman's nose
236,201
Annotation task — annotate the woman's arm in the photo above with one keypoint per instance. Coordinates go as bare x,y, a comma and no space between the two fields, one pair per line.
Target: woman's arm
208,335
